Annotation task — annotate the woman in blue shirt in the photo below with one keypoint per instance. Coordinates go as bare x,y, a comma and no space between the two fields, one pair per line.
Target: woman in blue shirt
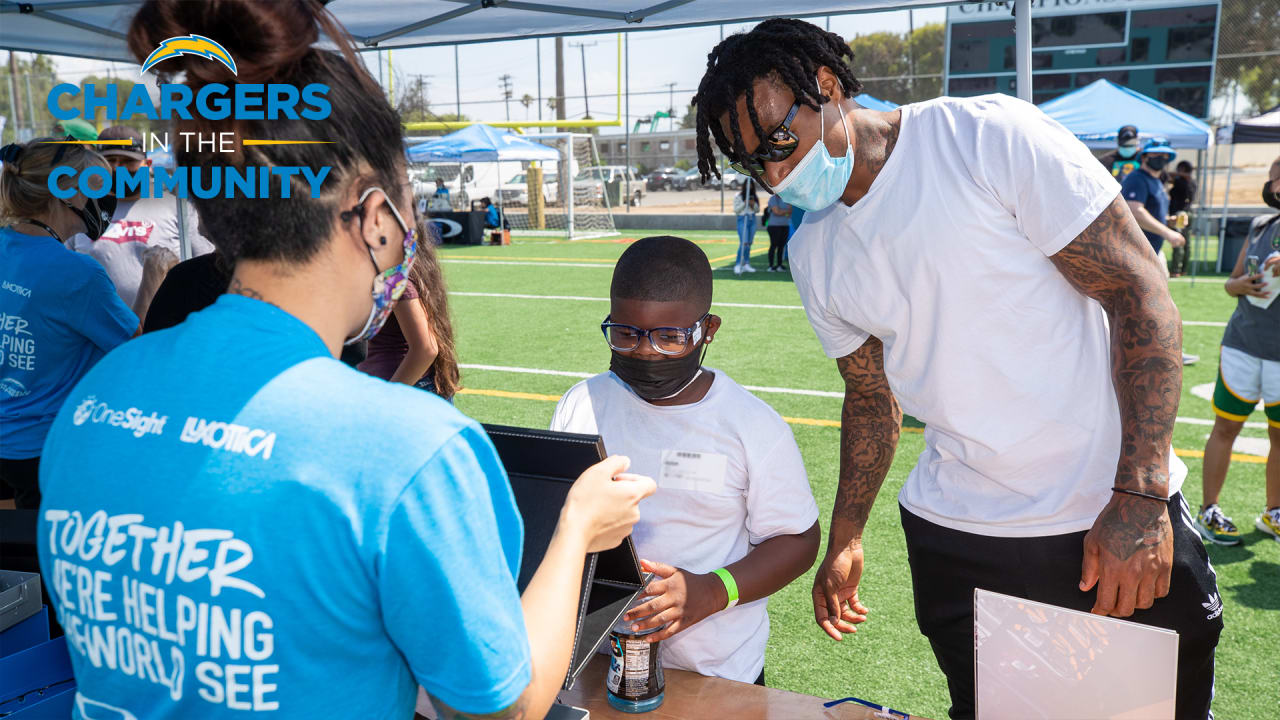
59,312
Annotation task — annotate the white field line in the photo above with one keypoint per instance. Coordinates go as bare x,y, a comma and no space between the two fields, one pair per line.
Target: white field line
759,306
754,388
526,264
520,296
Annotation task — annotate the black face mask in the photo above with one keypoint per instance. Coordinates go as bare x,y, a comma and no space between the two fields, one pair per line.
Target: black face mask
1157,162
1269,195
657,379
96,214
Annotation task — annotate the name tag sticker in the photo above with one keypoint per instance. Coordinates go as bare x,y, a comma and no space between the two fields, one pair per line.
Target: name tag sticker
696,471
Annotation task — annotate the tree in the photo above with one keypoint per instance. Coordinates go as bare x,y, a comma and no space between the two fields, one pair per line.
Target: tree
526,100
690,119
884,61
1250,35
37,72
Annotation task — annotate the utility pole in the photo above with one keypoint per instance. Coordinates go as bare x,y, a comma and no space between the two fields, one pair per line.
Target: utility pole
585,96
506,94
911,55
671,105
560,81
539,46
457,85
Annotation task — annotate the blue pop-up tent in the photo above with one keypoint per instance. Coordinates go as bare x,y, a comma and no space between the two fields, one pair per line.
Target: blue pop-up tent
1094,113
874,103
481,143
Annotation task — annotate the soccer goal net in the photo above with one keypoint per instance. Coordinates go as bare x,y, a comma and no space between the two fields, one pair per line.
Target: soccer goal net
573,197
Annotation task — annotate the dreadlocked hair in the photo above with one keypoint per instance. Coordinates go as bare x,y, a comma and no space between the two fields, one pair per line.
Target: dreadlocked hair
784,50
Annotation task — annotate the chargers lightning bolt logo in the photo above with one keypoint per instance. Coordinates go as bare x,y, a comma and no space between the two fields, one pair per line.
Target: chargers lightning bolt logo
190,45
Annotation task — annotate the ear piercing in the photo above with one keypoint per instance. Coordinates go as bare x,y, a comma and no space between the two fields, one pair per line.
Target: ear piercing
382,239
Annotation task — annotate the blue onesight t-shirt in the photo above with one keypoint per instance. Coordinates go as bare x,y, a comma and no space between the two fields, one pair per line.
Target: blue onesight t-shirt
1139,186
59,313
235,521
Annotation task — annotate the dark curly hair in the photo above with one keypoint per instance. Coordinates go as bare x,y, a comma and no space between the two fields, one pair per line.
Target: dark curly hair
788,51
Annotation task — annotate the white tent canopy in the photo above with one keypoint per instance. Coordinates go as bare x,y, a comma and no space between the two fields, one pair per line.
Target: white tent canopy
96,28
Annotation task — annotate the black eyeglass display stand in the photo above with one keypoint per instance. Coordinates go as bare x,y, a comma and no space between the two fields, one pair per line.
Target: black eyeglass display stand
542,466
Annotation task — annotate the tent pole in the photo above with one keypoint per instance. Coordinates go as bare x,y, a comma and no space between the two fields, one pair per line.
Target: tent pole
571,198
626,123
1191,258
1022,29
539,44
1226,197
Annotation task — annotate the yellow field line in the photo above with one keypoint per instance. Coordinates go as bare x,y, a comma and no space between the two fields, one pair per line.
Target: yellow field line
722,258
1235,457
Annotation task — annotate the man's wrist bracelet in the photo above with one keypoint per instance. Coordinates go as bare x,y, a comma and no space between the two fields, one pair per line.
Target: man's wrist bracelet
1135,493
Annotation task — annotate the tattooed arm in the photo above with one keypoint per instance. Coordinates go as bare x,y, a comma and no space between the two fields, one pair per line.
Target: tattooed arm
869,427
1129,551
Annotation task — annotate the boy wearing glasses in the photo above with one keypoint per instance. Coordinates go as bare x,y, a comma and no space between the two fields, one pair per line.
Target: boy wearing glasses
733,520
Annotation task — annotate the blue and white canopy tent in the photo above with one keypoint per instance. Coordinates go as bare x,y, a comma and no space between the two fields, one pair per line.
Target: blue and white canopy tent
874,103
1096,111
480,143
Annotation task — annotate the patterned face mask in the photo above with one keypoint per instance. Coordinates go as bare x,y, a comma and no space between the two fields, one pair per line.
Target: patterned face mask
389,284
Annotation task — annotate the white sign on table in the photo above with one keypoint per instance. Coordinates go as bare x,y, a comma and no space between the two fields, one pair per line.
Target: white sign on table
1035,660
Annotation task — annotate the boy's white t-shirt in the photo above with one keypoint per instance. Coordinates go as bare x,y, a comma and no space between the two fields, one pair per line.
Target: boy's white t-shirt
737,481
946,261
136,226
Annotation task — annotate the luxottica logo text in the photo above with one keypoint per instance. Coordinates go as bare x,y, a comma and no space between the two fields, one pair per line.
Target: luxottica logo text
133,419
229,437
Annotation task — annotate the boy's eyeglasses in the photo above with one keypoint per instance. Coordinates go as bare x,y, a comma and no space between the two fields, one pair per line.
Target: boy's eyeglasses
777,147
666,340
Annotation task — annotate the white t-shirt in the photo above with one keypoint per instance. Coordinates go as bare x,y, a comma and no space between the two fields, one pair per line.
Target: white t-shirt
136,226
946,261
737,482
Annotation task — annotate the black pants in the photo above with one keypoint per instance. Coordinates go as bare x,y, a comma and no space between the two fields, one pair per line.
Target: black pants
777,243
22,476
946,566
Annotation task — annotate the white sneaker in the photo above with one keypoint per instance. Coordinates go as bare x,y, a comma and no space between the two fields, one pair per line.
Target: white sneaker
1269,523
737,269
748,269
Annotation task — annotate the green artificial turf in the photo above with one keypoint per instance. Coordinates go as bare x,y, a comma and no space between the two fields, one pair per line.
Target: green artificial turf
888,661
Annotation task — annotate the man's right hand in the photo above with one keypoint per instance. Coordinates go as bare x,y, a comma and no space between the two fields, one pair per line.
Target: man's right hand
1175,238
604,503
836,607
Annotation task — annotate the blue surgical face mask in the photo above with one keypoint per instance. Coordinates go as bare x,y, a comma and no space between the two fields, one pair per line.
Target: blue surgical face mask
818,180
1127,151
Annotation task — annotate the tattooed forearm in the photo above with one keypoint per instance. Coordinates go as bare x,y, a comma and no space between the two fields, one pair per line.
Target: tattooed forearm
1112,263
869,427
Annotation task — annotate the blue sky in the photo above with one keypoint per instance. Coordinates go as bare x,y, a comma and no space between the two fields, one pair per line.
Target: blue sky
657,58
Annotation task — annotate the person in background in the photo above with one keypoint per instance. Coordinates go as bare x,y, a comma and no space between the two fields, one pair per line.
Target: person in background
493,217
746,205
1248,372
1124,159
439,199
441,190
1181,196
143,242
366,532
415,346
779,229
735,520
59,313
1149,202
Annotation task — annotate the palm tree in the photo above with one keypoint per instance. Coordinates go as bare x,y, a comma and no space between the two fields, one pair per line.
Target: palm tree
526,101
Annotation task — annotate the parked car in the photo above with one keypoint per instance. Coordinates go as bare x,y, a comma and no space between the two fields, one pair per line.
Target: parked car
732,180
516,190
589,185
662,179
688,180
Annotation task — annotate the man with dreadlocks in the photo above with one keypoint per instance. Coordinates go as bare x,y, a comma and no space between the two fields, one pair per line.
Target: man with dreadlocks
971,260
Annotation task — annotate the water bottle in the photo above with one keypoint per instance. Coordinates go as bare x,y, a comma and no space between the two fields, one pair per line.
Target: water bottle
635,682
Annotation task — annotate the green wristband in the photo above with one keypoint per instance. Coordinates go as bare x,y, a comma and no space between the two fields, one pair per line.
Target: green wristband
730,586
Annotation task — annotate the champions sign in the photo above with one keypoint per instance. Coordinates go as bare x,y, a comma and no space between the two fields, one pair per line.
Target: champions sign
215,101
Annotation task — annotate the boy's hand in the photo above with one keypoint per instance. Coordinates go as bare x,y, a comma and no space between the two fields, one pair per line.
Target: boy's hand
681,599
